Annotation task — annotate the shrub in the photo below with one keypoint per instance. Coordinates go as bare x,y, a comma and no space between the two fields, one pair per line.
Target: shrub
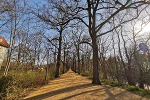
146,93
133,88
31,79
105,81
5,82
50,75
13,85
91,76
114,84
87,74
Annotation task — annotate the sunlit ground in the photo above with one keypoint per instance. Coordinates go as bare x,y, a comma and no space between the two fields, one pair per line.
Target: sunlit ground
71,86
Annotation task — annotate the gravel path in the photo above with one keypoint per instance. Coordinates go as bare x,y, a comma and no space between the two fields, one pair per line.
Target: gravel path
71,86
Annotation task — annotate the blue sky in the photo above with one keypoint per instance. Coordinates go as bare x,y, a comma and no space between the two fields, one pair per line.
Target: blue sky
32,3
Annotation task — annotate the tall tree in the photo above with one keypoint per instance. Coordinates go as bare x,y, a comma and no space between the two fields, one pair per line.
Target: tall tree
16,22
77,34
56,15
100,15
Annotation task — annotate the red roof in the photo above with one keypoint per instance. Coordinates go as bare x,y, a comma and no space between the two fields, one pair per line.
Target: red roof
3,42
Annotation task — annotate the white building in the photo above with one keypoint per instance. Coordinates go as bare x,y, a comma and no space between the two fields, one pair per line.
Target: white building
3,48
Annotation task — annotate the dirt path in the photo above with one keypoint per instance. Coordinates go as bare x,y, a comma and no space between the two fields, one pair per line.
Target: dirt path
71,86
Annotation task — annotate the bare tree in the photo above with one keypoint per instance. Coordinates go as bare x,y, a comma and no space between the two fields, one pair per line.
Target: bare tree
6,6
16,17
106,10
77,39
66,45
57,21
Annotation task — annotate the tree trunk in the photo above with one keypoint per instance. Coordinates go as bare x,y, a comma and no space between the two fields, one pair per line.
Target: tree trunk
95,62
78,60
130,77
64,62
75,66
140,80
103,66
59,56
83,69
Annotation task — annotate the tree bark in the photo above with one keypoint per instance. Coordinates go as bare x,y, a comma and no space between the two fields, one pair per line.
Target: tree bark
92,31
78,59
64,62
58,56
95,61
75,66
103,67
130,77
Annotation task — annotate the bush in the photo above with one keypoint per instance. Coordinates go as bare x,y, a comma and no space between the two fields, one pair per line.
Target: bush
87,74
114,84
133,89
146,93
50,75
5,82
33,79
106,82
91,76
13,85
111,83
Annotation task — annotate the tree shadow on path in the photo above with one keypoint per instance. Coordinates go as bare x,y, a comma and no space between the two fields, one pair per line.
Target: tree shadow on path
72,86
111,96
52,93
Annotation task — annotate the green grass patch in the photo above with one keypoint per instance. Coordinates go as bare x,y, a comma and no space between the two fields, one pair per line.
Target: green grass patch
137,90
133,89
111,83
114,84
